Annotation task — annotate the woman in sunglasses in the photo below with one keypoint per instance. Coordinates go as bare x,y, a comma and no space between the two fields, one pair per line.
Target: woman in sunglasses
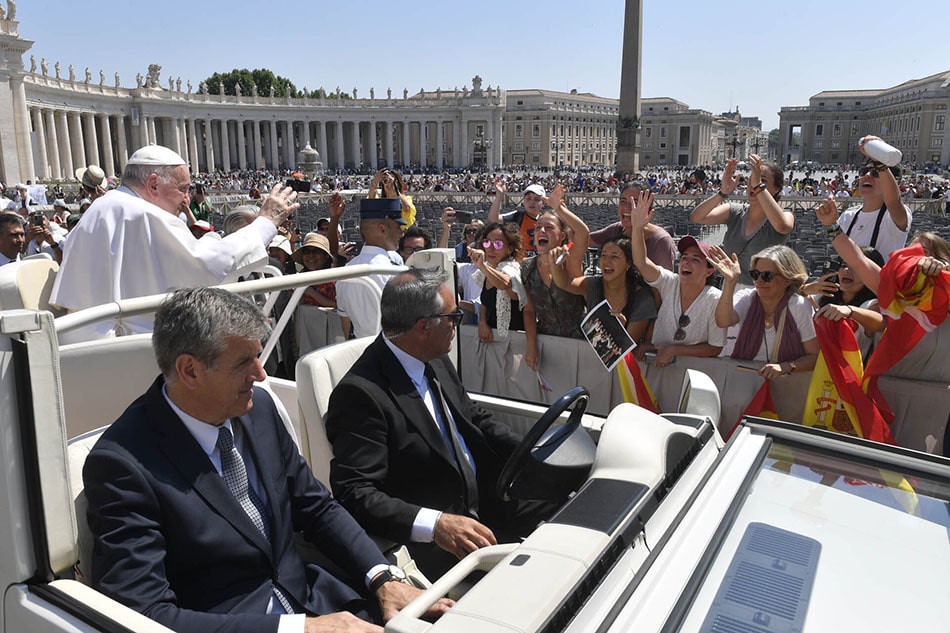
497,256
550,309
686,321
775,321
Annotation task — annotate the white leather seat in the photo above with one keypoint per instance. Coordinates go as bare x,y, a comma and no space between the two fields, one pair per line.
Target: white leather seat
27,284
317,374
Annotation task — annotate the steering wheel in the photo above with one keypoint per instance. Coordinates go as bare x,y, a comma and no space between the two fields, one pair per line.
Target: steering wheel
535,439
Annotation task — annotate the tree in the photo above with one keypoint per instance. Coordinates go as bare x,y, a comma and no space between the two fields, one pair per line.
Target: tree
262,78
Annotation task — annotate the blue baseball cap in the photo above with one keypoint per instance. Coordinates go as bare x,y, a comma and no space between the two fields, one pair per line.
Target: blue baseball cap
381,209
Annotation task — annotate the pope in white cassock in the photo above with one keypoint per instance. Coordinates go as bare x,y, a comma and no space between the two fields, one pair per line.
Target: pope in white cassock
132,243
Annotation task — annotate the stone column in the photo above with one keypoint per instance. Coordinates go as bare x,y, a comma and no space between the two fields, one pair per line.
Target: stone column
121,141
241,147
225,145
143,131
107,156
423,143
52,150
193,146
490,136
439,130
209,145
355,145
75,138
65,145
274,152
21,122
457,145
175,143
258,150
41,146
322,142
373,153
406,156
152,135
290,145
463,144
388,144
338,143
497,144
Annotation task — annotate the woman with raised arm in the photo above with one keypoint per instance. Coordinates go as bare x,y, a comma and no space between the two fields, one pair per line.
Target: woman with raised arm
498,273
753,226
686,322
776,321
619,283
550,309
388,183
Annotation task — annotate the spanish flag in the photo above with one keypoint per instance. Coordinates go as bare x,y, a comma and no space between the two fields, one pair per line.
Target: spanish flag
761,406
836,400
634,386
914,304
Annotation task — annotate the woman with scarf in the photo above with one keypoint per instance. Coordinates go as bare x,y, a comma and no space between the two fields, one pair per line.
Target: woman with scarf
776,321
499,275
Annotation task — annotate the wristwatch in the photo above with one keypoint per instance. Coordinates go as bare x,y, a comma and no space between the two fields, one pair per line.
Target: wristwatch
756,190
392,573
833,231
791,370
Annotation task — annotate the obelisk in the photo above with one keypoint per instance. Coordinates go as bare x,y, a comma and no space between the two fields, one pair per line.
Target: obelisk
628,121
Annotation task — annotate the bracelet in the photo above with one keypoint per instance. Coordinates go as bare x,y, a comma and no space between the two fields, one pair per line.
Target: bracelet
756,190
850,312
791,367
724,196
833,231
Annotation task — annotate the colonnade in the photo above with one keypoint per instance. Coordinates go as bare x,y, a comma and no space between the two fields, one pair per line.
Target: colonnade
67,138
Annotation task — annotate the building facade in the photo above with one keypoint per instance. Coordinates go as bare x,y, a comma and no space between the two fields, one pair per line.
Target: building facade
911,116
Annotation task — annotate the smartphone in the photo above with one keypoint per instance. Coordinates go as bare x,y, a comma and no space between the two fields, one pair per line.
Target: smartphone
465,217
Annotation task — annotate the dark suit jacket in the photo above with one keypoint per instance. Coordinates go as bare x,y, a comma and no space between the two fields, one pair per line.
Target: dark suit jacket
389,457
173,543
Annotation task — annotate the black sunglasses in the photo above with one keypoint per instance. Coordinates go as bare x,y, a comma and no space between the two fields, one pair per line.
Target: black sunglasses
455,317
869,169
680,332
766,275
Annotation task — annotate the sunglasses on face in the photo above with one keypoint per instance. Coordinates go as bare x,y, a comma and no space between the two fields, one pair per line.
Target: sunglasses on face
412,249
497,244
766,275
470,231
869,169
680,332
454,317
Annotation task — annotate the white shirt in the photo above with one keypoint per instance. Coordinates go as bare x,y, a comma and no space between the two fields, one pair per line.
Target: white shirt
127,247
358,302
889,238
423,527
702,326
799,309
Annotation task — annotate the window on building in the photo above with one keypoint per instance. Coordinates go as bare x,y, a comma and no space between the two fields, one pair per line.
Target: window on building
854,129
939,122
836,129
520,103
536,131
936,142
519,131
817,144
819,129
663,131
662,145
648,132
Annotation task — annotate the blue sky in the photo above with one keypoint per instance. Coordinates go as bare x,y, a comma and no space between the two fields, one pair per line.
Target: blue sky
711,55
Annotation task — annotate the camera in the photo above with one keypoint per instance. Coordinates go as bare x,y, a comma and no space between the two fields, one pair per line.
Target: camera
36,219
465,217
649,358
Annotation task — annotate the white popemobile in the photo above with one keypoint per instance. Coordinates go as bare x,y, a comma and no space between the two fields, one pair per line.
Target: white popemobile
663,527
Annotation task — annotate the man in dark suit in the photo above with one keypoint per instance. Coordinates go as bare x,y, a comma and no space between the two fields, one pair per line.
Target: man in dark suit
415,460
195,493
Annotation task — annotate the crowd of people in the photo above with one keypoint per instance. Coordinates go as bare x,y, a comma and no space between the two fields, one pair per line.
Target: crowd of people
415,459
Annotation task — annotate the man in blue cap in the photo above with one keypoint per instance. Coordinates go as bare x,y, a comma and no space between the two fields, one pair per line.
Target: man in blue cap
381,225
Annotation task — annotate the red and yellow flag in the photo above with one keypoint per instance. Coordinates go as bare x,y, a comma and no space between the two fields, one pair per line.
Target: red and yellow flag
761,406
914,304
836,400
634,386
